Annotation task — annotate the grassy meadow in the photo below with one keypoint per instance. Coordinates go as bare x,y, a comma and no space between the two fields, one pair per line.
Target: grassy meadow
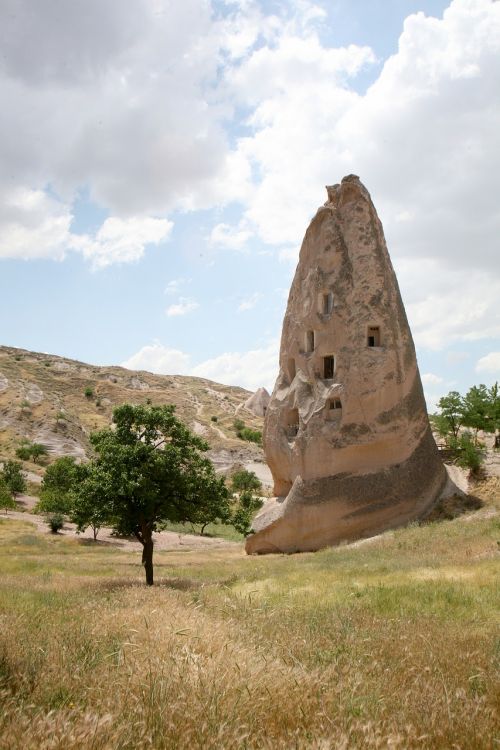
391,643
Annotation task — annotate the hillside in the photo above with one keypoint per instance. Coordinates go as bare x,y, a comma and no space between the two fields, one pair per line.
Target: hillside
42,399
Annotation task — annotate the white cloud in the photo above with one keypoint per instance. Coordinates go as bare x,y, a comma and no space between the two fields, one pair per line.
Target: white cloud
34,224
251,369
232,238
448,305
429,378
490,363
174,285
184,306
159,359
249,302
122,240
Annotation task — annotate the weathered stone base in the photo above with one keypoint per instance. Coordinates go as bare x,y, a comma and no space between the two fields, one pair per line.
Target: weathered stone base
324,512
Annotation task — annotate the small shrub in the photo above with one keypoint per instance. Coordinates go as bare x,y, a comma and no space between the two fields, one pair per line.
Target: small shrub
88,392
47,364
251,436
470,455
213,419
238,425
55,522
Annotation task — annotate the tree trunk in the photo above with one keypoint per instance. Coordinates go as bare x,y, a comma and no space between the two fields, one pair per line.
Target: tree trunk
147,553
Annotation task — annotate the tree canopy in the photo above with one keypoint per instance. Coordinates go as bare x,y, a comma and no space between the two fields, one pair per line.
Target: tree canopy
148,469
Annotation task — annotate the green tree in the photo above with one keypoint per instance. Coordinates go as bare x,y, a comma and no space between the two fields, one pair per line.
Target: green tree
147,471
243,514
7,502
13,476
87,506
58,481
245,480
248,485
450,418
476,410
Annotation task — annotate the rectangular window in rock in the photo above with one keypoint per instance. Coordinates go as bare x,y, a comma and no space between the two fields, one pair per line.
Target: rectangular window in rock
374,336
292,423
310,341
334,404
328,367
327,303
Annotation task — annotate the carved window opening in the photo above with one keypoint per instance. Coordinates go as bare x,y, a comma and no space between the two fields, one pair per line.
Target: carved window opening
327,303
328,367
373,336
291,369
292,423
334,404
310,341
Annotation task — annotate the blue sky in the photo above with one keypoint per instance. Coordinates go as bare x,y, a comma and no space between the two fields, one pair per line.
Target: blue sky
161,161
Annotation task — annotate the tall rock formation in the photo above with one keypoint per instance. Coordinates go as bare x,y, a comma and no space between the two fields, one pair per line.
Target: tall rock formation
346,435
257,403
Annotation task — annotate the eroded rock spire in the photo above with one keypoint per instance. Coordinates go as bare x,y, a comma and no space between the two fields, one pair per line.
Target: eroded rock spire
346,433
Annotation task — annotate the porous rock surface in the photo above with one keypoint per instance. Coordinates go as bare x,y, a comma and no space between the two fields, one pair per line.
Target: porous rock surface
346,435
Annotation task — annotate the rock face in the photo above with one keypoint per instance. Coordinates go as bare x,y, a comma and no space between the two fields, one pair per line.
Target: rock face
257,403
346,434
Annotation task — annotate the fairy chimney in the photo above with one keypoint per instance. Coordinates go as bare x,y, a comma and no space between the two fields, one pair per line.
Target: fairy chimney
346,435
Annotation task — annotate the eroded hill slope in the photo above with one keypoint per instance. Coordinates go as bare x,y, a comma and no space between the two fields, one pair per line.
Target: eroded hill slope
59,402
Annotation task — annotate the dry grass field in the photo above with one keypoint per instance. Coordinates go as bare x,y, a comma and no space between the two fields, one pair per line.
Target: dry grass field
393,643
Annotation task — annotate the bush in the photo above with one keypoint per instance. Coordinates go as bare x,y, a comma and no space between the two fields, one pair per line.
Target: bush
55,522
251,436
470,454
31,450
213,419
88,392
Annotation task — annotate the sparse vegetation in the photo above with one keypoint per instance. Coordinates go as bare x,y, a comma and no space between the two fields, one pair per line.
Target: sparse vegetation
247,485
247,433
213,418
34,451
88,392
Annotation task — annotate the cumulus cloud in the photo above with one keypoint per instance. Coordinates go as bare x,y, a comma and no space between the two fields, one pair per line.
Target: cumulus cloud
184,306
159,359
429,378
34,224
226,236
250,302
251,369
121,240
490,363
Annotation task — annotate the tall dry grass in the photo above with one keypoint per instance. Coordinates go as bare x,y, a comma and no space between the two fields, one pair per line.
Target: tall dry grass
390,644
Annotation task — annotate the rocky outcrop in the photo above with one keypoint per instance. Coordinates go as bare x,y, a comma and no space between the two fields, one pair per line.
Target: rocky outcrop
346,434
257,403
